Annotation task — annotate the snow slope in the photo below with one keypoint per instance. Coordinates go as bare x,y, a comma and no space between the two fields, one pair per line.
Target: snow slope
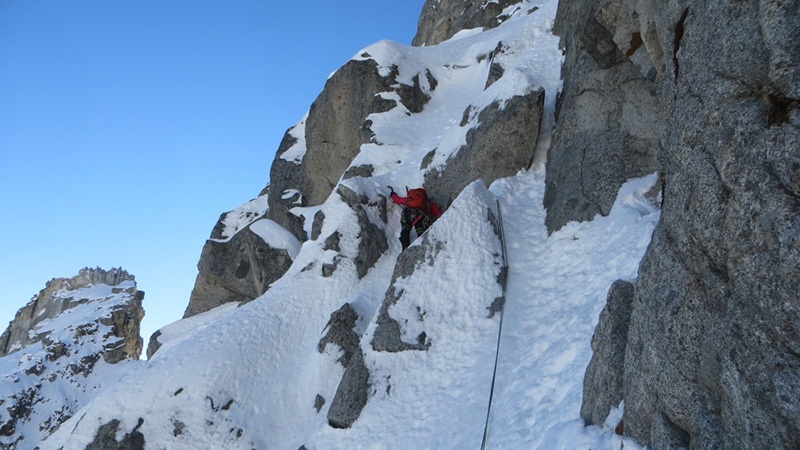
252,376
557,287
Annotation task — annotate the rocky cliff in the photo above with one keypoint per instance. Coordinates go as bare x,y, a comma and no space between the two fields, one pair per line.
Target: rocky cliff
706,93
69,343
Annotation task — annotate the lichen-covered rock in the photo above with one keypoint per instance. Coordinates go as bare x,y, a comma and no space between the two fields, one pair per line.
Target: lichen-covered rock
716,305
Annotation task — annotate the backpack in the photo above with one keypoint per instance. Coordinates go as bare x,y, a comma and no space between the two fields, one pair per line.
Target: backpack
418,199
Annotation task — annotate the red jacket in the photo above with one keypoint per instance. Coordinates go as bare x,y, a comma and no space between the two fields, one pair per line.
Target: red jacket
434,210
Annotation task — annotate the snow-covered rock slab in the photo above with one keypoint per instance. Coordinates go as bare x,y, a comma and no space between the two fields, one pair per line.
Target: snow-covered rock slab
428,355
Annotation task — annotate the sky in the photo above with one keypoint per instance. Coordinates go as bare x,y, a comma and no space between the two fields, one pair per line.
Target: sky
127,128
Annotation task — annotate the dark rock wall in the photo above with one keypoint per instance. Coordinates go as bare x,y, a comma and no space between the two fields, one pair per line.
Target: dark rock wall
712,355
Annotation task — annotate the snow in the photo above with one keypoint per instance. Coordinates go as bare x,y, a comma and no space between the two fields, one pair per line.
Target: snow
239,218
276,236
242,377
297,152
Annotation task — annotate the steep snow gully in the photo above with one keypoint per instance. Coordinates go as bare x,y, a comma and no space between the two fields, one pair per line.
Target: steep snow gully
556,289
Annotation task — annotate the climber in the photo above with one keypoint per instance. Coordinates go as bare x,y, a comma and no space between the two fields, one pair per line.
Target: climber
418,212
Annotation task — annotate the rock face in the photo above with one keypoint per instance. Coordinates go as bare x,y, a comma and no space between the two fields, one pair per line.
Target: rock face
237,263
602,386
66,346
510,130
238,270
609,118
711,355
60,295
315,154
441,19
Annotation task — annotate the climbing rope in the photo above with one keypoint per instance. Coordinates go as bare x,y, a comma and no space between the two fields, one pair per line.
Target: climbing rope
500,328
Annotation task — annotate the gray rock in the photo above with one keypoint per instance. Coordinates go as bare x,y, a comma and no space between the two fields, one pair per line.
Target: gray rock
106,438
333,242
351,395
413,97
341,331
319,402
316,226
510,130
238,270
602,385
125,319
609,116
372,243
33,408
285,176
731,221
365,171
711,358
125,322
388,336
441,19
333,132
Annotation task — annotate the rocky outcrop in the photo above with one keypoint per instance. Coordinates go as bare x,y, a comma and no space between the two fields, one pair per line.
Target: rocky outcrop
510,129
609,117
236,270
244,255
442,19
711,355
602,386
340,331
106,438
351,395
314,156
57,344
402,324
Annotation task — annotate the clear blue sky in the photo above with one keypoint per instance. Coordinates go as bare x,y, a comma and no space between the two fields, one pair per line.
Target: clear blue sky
127,127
